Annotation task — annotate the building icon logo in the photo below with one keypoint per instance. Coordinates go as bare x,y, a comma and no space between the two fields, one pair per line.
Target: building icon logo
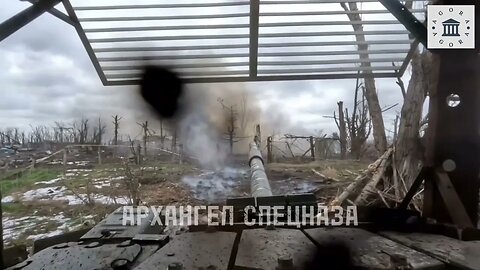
451,27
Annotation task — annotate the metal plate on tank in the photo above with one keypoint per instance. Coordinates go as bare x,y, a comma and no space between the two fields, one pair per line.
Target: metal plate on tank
196,250
73,256
265,249
461,254
373,251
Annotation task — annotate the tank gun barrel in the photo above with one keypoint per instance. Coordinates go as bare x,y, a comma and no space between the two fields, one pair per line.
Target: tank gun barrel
260,187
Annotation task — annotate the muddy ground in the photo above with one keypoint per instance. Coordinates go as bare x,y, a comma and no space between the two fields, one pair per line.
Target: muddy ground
50,200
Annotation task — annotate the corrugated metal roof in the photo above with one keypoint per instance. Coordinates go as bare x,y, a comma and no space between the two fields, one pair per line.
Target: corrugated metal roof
222,41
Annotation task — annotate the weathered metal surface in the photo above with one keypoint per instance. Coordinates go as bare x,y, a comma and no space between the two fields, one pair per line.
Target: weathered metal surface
24,17
111,227
259,181
75,256
14,255
194,251
371,251
44,243
461,254
262,249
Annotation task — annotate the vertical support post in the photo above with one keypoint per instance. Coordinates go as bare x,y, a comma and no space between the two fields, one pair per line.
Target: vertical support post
269,150
65,158
312,148
139,154
254,18
453,142
180,159
99,152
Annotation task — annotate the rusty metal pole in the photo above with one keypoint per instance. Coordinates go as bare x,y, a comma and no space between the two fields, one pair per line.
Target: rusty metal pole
260,187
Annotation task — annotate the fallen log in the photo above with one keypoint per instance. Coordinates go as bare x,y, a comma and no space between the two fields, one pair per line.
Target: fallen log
324,176
353,190
377,176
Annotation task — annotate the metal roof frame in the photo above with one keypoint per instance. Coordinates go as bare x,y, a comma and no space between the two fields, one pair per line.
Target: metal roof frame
254,56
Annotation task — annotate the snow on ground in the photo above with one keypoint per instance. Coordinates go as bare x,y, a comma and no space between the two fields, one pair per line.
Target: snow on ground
8,199
13,228
79,170
49,182
62,193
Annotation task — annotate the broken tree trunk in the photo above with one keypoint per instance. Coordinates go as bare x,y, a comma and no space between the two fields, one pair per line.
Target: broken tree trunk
379,137
353,190
371,186
409,148
343,131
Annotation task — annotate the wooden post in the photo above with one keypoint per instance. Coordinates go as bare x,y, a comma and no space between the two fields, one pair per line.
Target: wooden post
65,158
312,148
139,154
99,152
269,149
343,131
180,157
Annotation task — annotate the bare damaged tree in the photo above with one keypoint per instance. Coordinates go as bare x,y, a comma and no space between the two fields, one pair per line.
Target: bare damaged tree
162,136
116,126
98,132
231,118
146,133
342,129
409,149
132,184
83,131
359,125
380,139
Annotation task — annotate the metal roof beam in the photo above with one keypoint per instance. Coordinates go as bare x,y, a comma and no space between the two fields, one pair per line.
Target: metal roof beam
244,55
267,78
261,72
84,40
332,12
321,70
172,57
149,38
320,53
57,13
157,18
198,65
331,62
250,36
253,48
264,63
315,2
24,17
184,74
334,43
320,23
408,20
180,5
230,26
171,48
166,28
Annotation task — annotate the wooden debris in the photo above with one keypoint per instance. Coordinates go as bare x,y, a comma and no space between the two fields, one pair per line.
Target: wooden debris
324,176
369,177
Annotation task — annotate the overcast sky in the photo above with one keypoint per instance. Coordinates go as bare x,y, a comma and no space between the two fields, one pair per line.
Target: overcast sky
46,76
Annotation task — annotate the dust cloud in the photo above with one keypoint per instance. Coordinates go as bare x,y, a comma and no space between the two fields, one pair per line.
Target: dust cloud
211,114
